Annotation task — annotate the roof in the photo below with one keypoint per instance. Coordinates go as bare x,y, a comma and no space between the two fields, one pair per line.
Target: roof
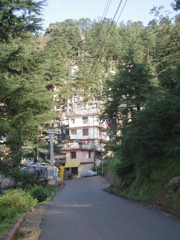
72,164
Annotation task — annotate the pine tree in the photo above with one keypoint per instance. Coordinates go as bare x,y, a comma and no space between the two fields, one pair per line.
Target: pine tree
25,100
176,5
19,17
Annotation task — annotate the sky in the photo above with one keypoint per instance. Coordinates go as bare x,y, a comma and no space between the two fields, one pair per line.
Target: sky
135,10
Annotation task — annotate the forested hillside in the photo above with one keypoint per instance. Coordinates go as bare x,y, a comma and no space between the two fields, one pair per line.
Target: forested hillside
134,68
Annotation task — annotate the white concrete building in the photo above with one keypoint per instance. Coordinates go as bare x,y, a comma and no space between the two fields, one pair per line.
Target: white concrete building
85,147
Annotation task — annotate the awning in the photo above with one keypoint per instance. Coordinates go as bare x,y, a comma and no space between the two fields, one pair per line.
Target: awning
72,164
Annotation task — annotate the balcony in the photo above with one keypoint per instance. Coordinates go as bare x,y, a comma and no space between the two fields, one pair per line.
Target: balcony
82,112
82,145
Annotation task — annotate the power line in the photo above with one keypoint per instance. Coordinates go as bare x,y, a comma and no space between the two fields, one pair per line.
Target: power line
121,12
117,10
119,15
102,46
106,9
101,26
103,18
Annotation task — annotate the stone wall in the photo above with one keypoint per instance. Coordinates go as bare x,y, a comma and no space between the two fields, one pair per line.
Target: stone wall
6,182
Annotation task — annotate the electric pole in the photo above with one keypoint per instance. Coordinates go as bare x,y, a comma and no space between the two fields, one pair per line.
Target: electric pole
52,150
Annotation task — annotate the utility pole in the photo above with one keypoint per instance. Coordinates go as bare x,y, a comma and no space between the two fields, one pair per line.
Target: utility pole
94,145
52,150
37,149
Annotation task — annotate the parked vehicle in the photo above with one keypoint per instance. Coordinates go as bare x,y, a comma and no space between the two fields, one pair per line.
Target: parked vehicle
88,173
43,173
37,169
53,172
68,175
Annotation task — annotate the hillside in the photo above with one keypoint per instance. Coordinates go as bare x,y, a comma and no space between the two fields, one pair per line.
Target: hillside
156,185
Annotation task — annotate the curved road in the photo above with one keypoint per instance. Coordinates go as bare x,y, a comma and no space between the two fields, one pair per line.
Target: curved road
83,211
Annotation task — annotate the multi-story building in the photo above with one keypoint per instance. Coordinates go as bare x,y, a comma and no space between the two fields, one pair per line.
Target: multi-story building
85,147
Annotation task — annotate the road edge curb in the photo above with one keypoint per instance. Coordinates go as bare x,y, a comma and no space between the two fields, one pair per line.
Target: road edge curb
12,233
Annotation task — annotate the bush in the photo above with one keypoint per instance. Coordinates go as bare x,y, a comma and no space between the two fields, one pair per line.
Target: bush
15,202
123,169
39,192
101,169
20,176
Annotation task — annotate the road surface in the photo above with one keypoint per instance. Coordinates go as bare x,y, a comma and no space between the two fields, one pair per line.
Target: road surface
84,211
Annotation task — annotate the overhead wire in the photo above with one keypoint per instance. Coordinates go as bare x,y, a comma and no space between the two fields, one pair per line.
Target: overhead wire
103,18
106,9
102,46
119,17
121,11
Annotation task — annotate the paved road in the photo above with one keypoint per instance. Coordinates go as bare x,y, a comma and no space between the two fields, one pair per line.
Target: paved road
83,211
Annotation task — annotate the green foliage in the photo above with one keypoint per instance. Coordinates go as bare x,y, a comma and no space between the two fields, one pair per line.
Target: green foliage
39,192
152,184
25,101
15,202
123,169
148,111
129,90
176,5
84,24
4,166
7,224
111,169
154,131
101,169
147,107
20,176
19,17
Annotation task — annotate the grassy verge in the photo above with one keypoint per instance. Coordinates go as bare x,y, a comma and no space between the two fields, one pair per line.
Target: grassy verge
157,183
16,202
7,224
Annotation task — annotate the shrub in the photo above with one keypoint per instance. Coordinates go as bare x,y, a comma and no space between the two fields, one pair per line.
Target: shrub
39,192
20,176
101,169
15,202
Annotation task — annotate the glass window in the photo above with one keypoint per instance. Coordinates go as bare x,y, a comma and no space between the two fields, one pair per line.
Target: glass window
74,170
73,154
85,132
74,131
72,120
85,120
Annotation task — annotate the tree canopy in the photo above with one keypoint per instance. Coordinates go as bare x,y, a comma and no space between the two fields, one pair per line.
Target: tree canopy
18,17
131,67
25,102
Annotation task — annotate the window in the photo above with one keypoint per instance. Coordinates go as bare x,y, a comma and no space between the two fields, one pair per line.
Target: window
89,154
74,131
72,120
73,154
85,120
74,170
85,132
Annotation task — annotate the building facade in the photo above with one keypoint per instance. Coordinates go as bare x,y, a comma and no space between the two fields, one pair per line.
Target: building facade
87,136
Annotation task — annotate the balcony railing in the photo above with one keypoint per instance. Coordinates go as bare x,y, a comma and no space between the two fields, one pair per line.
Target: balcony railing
90,146
84,112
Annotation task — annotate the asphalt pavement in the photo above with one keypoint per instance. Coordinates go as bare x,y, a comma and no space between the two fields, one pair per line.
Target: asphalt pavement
82,210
